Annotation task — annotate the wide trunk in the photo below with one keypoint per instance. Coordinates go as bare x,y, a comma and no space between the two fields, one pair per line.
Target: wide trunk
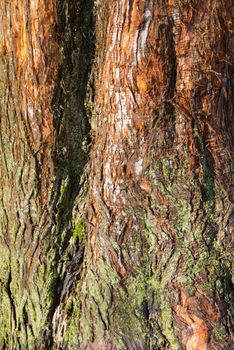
116,174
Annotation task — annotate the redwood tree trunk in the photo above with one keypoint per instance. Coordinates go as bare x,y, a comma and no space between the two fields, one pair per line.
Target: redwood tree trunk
116,174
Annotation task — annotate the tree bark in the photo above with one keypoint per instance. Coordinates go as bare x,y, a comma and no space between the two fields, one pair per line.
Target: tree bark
116,174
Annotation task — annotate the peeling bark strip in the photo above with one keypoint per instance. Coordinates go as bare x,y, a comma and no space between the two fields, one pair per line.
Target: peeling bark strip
144,258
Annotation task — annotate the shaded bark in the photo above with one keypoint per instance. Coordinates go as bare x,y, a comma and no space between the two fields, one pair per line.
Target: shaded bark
126,244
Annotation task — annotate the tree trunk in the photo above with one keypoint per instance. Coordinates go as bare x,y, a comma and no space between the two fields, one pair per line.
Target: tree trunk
116,174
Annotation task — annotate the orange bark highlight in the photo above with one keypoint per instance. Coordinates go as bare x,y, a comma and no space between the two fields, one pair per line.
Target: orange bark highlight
189,311
28,36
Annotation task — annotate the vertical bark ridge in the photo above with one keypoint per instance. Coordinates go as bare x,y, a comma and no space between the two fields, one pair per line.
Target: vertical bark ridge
160,191
46,49
29,59
132,85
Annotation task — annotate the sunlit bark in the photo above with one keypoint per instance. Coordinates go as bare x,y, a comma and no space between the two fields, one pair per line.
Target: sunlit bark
131,248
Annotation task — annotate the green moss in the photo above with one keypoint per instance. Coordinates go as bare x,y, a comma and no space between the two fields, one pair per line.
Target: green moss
69,306
71,335
64,185
129,318
96,299
183,222
219,332
165,321
79,231
192,203
5,320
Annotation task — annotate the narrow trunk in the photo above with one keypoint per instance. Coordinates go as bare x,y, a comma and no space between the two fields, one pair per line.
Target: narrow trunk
126,244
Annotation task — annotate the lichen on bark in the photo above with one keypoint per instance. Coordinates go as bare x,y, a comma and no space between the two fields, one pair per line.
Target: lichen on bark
116,174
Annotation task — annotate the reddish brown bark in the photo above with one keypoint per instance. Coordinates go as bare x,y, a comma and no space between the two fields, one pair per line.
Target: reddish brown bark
43,126
163,136
29,60
143,259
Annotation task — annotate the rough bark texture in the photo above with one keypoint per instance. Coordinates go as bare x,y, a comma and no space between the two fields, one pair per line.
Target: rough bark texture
46,50
127,244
